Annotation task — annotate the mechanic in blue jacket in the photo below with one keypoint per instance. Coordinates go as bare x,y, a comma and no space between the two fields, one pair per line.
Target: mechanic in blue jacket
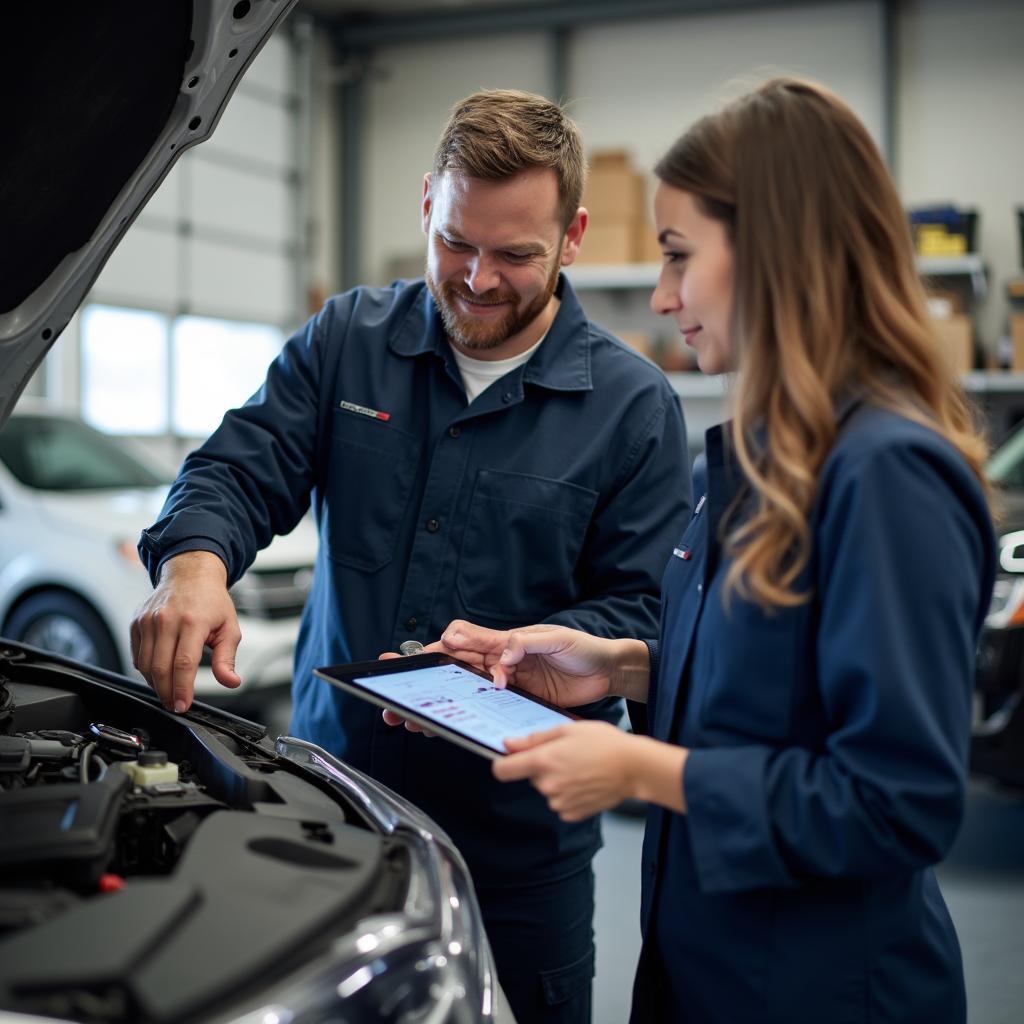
472,446
809,696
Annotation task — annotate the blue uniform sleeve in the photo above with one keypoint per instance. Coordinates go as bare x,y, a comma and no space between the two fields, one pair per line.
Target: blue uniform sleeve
631,537
903,571
252,479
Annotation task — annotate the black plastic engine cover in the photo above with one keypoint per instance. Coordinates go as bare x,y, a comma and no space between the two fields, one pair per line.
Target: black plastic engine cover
65,825
249,892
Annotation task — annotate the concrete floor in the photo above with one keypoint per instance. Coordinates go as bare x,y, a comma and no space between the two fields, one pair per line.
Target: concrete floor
982,880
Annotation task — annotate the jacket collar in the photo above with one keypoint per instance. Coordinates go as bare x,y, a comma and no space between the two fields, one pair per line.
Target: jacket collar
562,363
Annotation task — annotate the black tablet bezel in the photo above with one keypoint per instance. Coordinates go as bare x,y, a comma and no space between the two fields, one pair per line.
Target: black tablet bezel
345,676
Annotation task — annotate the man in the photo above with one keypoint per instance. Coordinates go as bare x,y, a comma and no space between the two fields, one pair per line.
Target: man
473,448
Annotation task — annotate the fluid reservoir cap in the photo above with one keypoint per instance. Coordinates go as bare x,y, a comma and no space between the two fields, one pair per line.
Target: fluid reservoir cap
152,758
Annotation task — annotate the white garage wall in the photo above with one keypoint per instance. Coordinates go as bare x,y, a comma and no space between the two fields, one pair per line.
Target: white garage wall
635,85
959,117
640,85
960,121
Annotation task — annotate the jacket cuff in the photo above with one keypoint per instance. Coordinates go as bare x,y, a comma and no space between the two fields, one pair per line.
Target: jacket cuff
639,720
195,544
654,653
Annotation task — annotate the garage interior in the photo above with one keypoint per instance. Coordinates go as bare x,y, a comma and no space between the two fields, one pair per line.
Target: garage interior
311,184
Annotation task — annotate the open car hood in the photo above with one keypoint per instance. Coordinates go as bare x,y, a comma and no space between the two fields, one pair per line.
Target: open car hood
106,97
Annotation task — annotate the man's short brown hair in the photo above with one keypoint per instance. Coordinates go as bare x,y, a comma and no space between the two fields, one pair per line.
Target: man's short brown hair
496,133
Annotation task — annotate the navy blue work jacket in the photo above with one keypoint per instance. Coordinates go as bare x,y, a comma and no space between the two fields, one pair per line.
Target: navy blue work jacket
829,746
555,496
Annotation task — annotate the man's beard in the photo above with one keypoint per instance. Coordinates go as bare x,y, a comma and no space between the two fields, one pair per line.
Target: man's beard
481,336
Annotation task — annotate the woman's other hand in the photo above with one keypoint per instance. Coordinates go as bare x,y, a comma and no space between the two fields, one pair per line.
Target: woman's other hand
587,767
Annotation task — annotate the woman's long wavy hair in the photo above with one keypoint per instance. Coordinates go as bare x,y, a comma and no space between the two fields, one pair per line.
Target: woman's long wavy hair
827,302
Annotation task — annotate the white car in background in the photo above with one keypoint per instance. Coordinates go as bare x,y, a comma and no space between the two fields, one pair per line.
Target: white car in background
72,504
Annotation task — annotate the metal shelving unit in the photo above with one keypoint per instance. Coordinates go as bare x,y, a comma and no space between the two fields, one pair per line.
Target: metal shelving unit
969,265
999,395
612,276
626,276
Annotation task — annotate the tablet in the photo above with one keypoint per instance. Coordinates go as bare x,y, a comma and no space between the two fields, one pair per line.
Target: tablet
448,697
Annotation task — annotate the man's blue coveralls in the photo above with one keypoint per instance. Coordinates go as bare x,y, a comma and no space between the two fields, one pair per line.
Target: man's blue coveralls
829,746
556,496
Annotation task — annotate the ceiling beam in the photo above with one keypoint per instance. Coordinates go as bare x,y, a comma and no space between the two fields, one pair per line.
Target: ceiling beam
373,30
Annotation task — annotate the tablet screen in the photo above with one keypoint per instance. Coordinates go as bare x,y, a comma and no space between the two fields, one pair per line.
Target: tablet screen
464,702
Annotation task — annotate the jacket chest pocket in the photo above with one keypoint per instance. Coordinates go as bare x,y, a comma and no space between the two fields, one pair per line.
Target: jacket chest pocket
371,472
522,540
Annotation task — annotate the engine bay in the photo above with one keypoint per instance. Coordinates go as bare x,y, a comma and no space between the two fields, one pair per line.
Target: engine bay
153,866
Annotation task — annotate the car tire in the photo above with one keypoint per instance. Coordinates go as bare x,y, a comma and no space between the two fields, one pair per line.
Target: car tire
64,624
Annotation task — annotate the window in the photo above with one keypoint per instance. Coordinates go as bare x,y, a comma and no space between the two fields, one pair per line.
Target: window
124,375
147,374
218,364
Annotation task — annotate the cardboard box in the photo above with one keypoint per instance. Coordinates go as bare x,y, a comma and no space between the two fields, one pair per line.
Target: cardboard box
955,340
647,248
620,242
675,357
614,191
608,242
1017,342
639,340
619,229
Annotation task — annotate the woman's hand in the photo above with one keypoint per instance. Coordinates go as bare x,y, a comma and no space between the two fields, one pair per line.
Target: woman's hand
582,769
587,767
563,666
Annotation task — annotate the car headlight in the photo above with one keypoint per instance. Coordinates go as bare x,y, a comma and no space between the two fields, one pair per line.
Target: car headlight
429,961
1011,551
1007,608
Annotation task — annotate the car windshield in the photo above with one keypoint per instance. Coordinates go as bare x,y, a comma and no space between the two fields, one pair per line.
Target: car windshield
53,453
1006,466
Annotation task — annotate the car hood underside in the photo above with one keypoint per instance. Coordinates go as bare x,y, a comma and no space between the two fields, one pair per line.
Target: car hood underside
105,98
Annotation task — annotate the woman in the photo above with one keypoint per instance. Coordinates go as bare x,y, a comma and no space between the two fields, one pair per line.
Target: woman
809,696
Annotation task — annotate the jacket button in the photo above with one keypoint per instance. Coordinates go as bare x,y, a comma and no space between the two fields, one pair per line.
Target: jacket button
454,431
507,397
700,588
411,623
433,526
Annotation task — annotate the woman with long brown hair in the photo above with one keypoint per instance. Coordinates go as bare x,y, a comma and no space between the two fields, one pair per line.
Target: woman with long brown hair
809,695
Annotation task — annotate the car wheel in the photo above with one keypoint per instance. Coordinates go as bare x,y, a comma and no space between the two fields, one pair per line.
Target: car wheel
66,625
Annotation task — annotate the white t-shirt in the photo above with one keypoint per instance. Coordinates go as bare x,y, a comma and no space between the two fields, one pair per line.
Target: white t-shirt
479,374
